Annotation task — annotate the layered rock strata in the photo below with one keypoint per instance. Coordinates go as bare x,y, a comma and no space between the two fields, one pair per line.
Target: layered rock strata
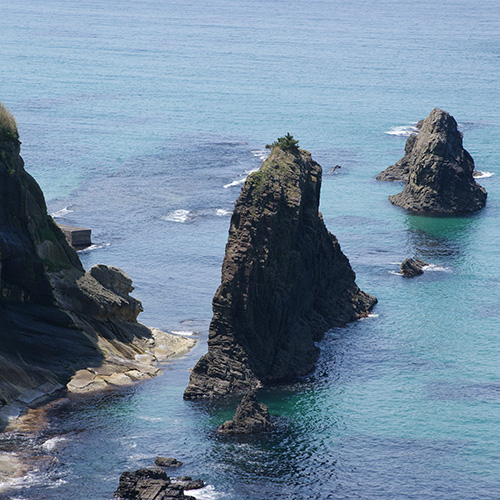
285,281
440,171
149,484
56,319
251,417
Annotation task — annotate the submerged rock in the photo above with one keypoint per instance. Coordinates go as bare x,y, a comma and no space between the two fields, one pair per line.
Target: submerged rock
251,417
149,484
412,267
285,281
440,171
56,319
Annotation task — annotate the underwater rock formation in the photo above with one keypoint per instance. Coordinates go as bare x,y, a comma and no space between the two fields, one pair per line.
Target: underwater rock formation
285,281
251,417
440,175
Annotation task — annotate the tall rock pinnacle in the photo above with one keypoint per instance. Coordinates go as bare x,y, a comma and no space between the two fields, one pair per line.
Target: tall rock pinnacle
285,281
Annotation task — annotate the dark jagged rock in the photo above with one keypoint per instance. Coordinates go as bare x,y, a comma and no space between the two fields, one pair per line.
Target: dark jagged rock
285,281
412,267
55,318
188,483
167,462
251,417
149,484
399,171
440,178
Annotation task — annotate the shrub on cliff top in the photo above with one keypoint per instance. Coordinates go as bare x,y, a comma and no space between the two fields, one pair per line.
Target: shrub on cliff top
287,143
7,122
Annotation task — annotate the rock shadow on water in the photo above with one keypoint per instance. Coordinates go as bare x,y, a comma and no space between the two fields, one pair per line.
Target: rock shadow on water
439,237
447,391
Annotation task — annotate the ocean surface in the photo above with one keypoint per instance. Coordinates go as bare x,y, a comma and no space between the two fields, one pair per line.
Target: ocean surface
140,119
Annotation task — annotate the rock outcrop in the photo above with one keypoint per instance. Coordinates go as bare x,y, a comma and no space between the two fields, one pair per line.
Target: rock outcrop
412,267
440,175
149,484
251,417
56,319
285,281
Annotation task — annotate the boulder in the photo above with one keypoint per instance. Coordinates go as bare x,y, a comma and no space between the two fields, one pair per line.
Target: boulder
251,417
285,281
188,483
167,462
412,267
149,484
440,171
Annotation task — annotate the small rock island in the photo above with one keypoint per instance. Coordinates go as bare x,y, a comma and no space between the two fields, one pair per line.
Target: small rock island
56,320
285,281
438,170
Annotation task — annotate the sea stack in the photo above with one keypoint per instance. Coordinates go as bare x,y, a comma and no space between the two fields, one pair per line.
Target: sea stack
285,281
55,318
440,175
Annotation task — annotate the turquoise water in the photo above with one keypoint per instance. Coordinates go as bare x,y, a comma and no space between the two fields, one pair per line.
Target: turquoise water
140,118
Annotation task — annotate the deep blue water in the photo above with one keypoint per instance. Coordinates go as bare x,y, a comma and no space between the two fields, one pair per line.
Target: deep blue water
138,119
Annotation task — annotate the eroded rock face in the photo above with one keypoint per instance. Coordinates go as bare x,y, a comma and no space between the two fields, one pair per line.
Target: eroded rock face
55,318
285,281
440,171
251,417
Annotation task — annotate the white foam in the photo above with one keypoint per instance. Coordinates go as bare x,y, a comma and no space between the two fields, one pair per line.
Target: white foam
370,316
395,273
61,213
180,216
183,332
436,267
484,175
402,131
206,493
95,246
262,154
222,212
234,183
52,443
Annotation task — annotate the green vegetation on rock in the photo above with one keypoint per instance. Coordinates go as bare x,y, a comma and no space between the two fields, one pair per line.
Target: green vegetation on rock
8,124
287,143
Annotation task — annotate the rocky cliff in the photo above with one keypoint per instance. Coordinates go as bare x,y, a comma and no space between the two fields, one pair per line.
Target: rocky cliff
440,171
55,318
285,281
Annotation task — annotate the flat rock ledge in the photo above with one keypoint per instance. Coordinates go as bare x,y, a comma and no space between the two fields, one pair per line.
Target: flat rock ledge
412,267
130,363
154,484
251,417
